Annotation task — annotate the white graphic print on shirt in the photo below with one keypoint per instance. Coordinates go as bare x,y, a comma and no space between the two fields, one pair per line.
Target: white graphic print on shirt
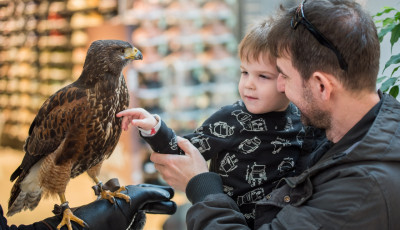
279,143
300,136
228,164
201,143
228,190
256,174
289,124
249,145
244,119
286,165
251,197
173,143
251,215
221,129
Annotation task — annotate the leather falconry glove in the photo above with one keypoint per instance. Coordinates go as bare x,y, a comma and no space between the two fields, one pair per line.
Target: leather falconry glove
102,215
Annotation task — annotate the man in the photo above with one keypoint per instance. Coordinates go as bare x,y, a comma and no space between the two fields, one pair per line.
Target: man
328,58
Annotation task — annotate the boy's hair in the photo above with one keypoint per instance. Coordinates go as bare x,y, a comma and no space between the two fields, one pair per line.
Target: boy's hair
255,43
346,25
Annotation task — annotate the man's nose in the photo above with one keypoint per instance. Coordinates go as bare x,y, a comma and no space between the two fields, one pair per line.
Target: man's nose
280,83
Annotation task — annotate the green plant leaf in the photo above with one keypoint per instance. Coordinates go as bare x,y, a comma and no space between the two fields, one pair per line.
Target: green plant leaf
388,83
395,35
394,91
394,59
380,79
397,16
388,22
384,11
394,70
384,31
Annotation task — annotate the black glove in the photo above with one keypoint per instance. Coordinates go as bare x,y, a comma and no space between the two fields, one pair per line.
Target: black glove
101,214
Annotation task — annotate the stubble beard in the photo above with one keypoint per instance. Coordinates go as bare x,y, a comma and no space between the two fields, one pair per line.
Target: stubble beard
313,115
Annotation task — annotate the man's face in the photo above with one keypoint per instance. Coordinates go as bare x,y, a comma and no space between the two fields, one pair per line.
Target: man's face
301,94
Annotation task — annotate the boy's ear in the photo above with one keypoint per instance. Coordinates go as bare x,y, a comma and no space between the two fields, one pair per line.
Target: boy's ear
322,85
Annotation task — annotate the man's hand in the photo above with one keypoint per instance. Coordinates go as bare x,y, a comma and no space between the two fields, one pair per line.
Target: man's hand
102,215
177,170
137,117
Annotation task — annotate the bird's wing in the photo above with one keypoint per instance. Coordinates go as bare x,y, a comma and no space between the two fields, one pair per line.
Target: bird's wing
54,129
59,114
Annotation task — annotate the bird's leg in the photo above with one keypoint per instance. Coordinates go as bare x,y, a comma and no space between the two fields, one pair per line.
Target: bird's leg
109,192
68,216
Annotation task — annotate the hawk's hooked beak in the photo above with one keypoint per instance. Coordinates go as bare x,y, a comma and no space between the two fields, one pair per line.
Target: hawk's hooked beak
133,53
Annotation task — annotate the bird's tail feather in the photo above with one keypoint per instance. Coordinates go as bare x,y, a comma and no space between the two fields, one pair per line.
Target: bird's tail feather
16,174
22,200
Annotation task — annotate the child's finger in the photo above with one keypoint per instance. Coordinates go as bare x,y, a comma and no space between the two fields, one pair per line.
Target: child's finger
134,112
123,113
128,112
125,123
141,124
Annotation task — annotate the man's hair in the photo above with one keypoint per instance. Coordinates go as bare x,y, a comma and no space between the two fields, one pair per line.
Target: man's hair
255,43
347,26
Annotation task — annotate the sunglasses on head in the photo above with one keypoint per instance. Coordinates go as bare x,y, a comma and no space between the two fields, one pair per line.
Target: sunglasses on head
299,17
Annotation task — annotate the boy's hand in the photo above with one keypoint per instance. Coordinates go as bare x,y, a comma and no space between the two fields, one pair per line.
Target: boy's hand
137,117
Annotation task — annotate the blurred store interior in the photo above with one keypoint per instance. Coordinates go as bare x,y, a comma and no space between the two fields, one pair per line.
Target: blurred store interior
190,69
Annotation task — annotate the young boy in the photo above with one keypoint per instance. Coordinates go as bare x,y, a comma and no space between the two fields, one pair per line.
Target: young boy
252,143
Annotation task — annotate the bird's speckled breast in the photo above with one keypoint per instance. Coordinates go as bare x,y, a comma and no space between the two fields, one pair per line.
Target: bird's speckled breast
103,128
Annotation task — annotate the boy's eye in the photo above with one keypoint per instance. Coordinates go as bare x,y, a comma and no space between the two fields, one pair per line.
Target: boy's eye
264,76
244,72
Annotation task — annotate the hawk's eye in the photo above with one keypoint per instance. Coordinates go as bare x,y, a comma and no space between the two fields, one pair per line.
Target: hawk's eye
122,50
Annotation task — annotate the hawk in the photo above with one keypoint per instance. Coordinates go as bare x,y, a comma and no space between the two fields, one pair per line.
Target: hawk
75,130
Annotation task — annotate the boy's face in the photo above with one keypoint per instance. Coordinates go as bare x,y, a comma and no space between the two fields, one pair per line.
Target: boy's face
258,86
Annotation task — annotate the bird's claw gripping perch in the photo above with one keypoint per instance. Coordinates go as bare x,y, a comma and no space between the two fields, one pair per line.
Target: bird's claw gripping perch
111,195
67,216
110,190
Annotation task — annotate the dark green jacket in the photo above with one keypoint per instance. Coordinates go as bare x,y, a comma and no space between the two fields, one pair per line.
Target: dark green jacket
355,189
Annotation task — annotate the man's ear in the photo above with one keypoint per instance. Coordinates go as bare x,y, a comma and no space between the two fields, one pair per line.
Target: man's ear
322,85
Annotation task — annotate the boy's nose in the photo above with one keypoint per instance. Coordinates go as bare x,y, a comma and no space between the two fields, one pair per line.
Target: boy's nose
250,83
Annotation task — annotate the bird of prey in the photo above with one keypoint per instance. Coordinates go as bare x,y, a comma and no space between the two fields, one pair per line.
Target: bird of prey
75,130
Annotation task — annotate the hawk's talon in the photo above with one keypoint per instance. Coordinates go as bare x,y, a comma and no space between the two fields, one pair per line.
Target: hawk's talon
106,195
121,195
68,216
110,196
